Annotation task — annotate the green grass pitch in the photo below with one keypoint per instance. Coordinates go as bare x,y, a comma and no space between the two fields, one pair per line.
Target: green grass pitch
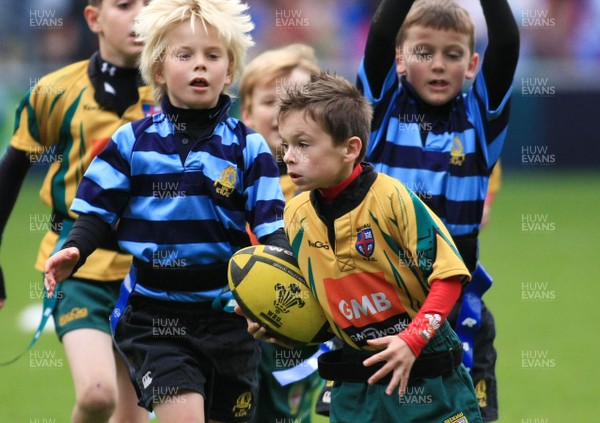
540,247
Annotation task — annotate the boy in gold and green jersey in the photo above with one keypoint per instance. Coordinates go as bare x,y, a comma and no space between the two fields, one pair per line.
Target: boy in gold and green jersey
64,121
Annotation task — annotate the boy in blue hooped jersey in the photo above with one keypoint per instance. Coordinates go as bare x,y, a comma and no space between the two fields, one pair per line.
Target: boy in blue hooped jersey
440,143
180,187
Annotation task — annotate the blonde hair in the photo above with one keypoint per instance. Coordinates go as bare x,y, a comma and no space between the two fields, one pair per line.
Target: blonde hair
228,17
440,15
273,64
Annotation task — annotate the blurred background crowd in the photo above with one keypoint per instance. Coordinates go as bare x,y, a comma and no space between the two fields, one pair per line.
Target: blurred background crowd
560,48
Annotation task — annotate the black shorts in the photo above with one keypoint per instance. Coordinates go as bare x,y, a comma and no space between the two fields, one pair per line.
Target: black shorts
174,347
483,372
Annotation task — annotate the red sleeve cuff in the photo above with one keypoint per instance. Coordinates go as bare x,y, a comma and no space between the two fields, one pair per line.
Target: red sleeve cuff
442,296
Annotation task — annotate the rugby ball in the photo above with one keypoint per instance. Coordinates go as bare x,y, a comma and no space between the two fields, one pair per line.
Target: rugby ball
268,286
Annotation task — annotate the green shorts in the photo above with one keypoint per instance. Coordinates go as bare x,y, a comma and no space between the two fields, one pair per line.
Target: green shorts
449,398
84,304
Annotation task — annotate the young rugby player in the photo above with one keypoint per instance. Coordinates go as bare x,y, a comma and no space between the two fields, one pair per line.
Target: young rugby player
181,187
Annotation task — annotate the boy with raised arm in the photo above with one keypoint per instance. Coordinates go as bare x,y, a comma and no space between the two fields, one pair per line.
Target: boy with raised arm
439,142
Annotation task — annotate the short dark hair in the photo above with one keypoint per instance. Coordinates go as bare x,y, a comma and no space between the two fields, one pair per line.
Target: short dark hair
440,15
335,104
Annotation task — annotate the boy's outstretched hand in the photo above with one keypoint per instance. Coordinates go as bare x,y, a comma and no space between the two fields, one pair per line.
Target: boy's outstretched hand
59,267
259,332
399,358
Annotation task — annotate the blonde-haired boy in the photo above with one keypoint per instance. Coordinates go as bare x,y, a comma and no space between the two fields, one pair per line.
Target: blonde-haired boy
182,186
228,18
264,79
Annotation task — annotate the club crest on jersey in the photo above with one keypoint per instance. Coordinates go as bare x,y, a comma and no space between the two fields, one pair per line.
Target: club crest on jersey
150,109
365,244
226,182
457,156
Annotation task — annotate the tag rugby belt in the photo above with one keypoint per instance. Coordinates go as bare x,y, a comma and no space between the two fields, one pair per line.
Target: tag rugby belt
344,365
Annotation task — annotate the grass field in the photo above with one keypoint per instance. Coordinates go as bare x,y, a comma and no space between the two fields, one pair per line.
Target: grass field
540,248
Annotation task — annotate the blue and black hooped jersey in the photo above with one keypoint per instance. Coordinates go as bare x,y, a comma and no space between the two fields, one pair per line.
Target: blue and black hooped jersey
445,161
191,212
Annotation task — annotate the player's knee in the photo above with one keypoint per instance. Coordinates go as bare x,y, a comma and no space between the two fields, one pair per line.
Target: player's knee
97,399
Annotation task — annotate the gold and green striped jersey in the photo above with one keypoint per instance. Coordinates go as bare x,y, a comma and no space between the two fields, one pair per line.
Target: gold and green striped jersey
60,123
371,255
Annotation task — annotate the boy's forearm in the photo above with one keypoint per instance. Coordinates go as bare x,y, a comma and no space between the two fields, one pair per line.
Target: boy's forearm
86,235
380,49
502,52
441,299
13,169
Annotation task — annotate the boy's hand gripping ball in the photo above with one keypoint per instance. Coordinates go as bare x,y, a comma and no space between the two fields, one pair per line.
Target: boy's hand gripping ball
267,284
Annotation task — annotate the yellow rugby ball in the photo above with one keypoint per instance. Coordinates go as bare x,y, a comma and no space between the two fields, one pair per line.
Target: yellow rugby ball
268,286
